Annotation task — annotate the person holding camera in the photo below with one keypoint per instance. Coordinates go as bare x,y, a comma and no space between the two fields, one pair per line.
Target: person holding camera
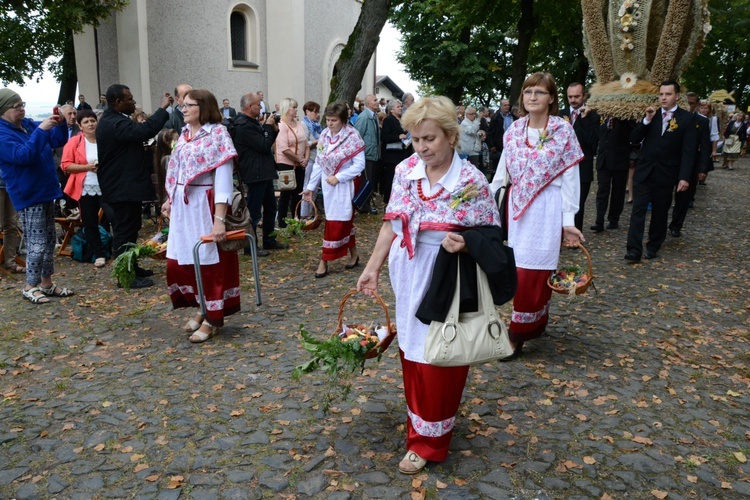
28,169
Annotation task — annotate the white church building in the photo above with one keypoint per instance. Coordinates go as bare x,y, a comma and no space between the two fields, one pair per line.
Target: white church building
286,48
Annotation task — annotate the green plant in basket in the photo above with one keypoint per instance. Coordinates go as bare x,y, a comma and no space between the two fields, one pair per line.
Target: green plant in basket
338,356
124,265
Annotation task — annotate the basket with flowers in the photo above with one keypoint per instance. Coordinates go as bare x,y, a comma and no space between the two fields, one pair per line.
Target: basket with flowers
347,348
573,280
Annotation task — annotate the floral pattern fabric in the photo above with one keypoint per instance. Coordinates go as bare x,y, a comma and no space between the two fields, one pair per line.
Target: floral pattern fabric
431,429
533,168
210,148
416,213
335,151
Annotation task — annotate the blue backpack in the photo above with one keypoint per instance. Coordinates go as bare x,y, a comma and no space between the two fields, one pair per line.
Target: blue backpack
80,247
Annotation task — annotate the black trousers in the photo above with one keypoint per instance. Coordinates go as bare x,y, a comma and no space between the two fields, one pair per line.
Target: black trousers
386,182
126,223
371,170
610,192
682,203
585,188
261,201
660,198
89,206
292,197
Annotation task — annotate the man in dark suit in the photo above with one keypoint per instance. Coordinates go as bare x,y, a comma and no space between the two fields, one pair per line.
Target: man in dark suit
228,114
498,125
703,165
666,159
612,165
124,178
586,125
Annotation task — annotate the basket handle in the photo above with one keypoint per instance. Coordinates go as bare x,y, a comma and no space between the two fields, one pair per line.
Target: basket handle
340,320
299,204
588,258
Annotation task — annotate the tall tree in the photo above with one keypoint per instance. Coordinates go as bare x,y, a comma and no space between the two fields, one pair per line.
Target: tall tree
352,63
445,49
723,63
38,33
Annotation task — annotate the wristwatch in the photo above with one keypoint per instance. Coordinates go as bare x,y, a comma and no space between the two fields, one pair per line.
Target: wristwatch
223,220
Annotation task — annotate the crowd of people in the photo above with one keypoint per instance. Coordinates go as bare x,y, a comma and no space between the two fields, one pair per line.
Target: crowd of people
434,167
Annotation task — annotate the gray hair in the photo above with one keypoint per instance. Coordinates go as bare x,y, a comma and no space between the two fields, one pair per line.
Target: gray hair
392,104
246,99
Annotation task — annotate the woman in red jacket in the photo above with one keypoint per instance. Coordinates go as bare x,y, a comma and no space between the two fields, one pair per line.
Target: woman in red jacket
80,161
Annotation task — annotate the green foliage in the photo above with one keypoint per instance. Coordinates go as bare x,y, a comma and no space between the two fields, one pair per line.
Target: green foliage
339,359
464,48
723,63
124,265
34,33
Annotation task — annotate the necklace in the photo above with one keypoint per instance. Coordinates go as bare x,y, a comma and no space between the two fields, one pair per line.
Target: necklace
542,135
427,198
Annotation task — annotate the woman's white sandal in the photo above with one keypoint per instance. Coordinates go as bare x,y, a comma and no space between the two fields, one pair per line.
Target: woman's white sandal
191,326
411,464
31,296
198,336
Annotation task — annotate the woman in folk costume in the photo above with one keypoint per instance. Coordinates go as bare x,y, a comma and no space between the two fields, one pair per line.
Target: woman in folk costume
199,189
435,194
541,155
339,161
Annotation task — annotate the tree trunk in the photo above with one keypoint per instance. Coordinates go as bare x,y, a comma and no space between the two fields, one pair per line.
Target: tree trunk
527,24
69,78
350,68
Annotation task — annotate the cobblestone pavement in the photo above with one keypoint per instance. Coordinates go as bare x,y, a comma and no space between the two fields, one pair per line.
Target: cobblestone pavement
640,390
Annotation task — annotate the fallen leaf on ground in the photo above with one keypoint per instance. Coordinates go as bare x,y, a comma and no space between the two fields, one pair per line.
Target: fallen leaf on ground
589,460
659,494
175,482
440,485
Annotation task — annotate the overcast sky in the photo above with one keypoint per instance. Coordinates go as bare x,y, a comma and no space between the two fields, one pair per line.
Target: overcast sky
40,97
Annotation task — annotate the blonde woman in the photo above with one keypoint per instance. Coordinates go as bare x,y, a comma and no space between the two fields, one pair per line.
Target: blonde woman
292,153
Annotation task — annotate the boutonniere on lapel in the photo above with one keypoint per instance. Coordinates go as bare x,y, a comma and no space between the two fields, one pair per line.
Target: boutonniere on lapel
567,118
672,125
467,194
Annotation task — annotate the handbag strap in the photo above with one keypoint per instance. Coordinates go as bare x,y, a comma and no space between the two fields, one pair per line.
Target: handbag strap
484,295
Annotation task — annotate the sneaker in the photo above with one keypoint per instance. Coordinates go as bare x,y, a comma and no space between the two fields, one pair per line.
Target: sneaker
100,262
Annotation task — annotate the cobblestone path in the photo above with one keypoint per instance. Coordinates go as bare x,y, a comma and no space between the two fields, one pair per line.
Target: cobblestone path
641,390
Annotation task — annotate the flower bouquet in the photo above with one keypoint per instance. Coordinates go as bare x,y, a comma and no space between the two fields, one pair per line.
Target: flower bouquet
573,280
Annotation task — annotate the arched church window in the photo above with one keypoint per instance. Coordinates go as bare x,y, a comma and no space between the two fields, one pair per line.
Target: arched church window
243,31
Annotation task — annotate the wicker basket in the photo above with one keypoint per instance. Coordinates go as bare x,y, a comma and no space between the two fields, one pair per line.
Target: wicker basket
383,344
578,289
310,224
161,254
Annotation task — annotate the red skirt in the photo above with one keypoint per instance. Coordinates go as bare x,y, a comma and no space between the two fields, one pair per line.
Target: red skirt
221,285
530,305
433,394
338,238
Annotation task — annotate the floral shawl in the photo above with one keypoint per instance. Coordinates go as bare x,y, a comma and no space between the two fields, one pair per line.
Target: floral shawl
211,147
333,152
531,169
478,209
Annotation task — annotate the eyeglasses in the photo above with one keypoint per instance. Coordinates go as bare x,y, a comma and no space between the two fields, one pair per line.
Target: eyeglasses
20,105
535,93
186,105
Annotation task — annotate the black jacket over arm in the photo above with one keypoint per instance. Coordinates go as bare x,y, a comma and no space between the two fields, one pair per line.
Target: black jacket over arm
253,143
124,173
667,158
484,246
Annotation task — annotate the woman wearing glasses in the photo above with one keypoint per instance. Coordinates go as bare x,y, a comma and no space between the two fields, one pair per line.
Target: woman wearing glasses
199,189
28,170
541,156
